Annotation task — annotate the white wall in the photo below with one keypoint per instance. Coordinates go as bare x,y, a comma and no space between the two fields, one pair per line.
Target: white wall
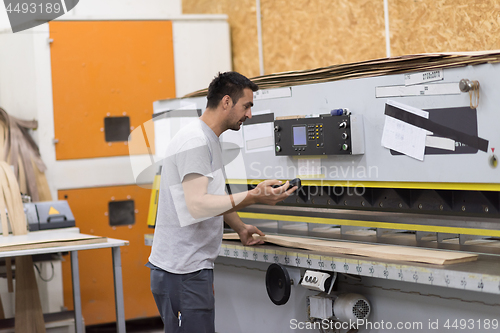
198,55
128,8
113,9
4,19
18,65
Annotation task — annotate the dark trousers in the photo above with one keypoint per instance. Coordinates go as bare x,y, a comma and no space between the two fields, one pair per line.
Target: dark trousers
185,301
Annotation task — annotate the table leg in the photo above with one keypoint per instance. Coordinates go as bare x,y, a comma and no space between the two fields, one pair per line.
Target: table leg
77,301
117,271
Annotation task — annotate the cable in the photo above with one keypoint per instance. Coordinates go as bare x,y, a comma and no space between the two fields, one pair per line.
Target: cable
474,95
40,274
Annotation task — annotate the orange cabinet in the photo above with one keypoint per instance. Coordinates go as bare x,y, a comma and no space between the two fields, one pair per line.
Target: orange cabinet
115,212
105,77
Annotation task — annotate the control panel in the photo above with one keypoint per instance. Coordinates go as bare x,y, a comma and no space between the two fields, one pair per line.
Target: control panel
323,135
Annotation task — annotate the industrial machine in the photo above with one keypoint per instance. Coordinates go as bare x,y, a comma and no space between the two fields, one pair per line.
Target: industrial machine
48,215
408,160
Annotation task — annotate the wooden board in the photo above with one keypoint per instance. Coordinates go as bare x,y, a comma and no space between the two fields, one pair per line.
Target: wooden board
29,316
390,252
26,242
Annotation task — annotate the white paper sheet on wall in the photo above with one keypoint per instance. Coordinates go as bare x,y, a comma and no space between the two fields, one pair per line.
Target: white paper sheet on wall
259,137
403,137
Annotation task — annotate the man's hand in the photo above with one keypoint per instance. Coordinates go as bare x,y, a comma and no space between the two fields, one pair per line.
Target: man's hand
267,194
246,235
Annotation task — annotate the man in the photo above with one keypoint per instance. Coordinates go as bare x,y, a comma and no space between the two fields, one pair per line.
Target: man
193,205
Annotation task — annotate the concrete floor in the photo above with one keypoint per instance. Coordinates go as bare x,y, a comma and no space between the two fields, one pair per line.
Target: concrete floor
149,325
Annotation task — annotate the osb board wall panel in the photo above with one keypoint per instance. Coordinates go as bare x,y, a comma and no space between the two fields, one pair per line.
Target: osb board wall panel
299,34
305,34
243,24
422,26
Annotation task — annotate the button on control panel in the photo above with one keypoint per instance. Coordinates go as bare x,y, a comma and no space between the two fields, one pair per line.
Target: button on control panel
315,135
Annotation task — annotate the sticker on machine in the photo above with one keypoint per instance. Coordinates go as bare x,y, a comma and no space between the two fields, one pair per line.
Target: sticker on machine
424,77
418,90
272,93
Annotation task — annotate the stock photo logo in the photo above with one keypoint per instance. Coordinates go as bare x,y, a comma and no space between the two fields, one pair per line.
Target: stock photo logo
26,14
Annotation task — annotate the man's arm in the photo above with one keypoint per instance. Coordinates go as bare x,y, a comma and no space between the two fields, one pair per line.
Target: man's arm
245,231
203,205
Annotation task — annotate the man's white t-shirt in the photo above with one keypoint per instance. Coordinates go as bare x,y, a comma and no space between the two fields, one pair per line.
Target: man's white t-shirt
181,243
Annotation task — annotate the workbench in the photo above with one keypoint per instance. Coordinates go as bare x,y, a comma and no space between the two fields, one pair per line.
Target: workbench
114,244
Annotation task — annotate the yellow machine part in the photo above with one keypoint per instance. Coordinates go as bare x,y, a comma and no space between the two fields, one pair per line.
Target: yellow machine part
405,185
372,224
153,202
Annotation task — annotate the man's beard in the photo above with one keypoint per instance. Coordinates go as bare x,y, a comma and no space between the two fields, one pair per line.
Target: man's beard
237,126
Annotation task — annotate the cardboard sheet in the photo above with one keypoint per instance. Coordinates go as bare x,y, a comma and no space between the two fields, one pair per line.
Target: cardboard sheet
377,67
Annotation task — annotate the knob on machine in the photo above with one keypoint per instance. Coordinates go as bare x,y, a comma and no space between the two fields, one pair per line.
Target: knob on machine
278,284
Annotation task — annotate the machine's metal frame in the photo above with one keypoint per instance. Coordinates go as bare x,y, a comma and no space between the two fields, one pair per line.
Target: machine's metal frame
448,201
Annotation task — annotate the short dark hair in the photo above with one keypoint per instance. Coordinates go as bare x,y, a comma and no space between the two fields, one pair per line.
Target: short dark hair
228,83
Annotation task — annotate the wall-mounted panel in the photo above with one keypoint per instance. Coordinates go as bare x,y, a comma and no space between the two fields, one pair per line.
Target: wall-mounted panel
107,69
427,26
308,34
299,34
116,212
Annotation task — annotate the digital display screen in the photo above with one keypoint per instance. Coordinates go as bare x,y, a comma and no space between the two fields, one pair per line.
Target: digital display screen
299,136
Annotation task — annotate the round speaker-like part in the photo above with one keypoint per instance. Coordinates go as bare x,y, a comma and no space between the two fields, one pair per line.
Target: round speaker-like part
278,284
351,307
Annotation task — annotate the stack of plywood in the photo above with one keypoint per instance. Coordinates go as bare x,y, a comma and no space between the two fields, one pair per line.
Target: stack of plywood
369,68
